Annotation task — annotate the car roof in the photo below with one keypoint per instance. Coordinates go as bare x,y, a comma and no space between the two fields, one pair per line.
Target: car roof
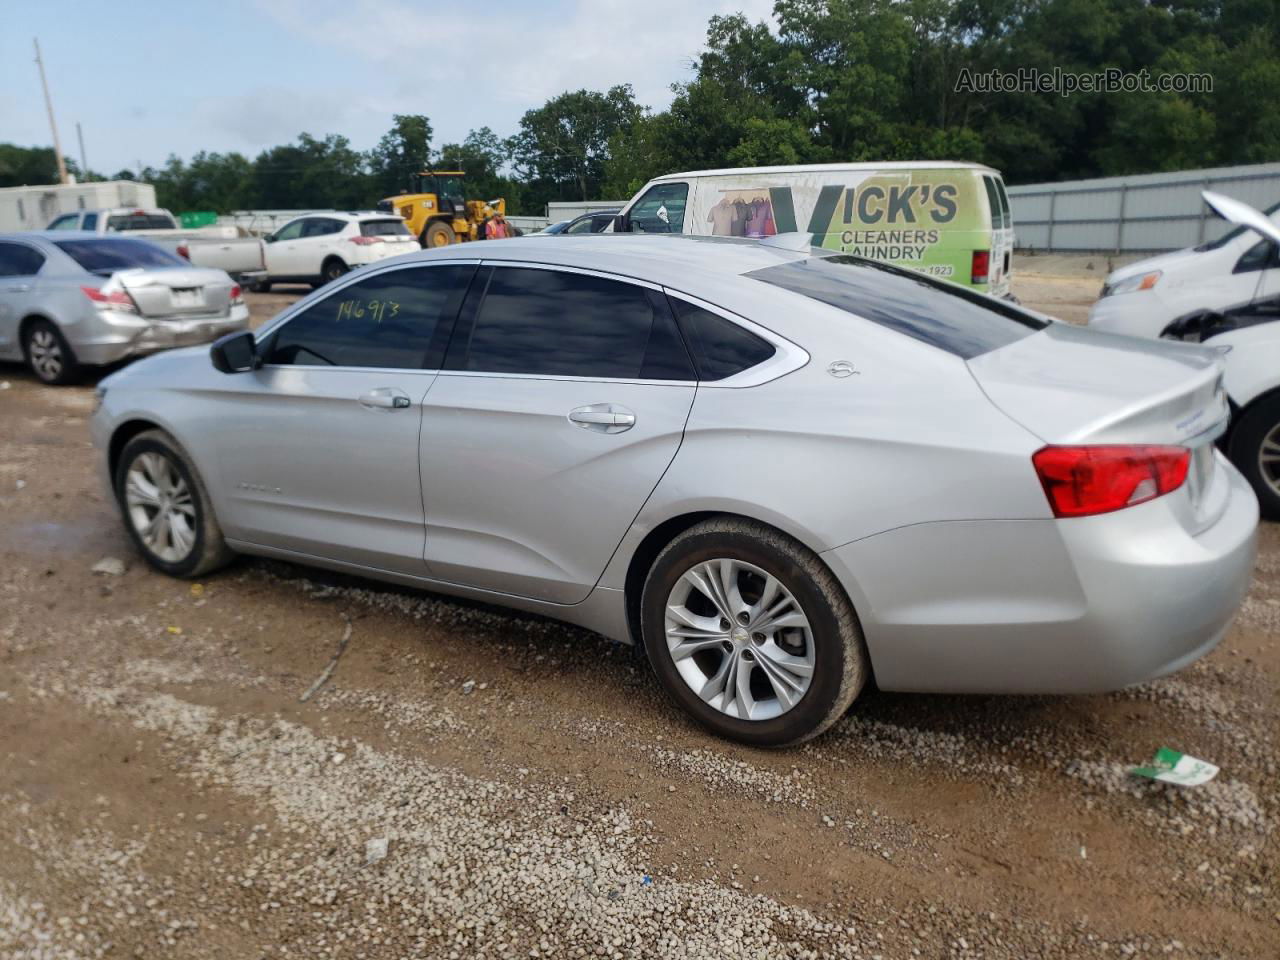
63,235
668,259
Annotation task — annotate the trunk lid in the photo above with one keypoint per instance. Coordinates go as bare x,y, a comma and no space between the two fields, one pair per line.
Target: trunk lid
1071,385
177,292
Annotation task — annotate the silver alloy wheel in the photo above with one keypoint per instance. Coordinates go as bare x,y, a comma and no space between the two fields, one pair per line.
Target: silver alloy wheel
160,506
739,639
45,353
1269,458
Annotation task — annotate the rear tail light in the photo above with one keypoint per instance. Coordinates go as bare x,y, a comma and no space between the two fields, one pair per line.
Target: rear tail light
184,251
981,266
365,241
116,300
237,295
1083,481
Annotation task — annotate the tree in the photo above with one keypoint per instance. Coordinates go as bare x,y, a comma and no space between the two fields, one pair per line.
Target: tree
20,166
562,147
402,152
482,155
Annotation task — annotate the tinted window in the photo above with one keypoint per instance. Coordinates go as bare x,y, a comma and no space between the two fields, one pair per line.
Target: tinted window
140,221
549,323
581,226
68,221
90,222
660,210
19,260
397,319
321,227
998,220
1004,203
1260,256
291,231
107,254
384,228
939,313
721,348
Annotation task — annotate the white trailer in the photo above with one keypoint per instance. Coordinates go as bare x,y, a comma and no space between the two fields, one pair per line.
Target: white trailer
33,207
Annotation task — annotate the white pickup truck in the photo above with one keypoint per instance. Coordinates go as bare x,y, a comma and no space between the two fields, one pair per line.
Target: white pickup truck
223,248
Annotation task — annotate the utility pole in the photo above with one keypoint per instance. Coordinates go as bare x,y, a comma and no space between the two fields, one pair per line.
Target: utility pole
84,162
57,144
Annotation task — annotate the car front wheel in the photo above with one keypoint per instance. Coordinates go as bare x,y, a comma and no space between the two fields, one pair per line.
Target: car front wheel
1255,450
751,633
167,509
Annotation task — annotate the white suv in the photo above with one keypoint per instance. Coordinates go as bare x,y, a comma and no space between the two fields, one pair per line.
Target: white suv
323,246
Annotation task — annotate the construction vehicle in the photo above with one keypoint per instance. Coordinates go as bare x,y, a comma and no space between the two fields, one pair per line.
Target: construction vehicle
437,211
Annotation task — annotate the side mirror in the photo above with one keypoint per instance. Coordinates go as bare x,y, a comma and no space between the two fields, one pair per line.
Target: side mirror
621,223
234,353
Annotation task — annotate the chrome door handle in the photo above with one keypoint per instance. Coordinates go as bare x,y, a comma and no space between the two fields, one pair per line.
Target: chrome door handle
603,417
385,398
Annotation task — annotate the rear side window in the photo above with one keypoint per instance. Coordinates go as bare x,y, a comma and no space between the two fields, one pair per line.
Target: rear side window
934,311
999,218
384,228
1004,203
19,260
554,323
139,221
720,347
90,222
400,319
321,227
104,255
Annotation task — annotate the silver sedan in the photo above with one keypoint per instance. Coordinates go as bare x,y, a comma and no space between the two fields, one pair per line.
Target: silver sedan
70,299
783,472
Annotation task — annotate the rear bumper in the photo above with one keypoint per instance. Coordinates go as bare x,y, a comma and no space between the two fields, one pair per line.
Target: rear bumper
115,336
1049,606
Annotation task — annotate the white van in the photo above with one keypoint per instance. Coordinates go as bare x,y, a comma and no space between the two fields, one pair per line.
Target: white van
943,218
1143,298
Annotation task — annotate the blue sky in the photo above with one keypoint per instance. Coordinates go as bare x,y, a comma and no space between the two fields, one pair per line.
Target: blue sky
146,79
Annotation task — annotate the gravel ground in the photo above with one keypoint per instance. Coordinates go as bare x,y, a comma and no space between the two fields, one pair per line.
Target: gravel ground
473,783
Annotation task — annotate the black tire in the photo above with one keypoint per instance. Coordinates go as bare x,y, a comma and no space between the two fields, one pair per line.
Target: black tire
262,286
208,550
437,234
1258,421
48,354
840,664
332,269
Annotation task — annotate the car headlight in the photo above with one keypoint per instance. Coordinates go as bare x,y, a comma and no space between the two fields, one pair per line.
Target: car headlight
1143,281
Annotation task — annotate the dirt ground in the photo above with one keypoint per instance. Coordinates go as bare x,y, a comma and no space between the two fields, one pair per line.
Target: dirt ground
472,783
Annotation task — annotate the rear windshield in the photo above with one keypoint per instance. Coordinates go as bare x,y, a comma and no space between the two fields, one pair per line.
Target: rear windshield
384,228
939,313
105,255
139,221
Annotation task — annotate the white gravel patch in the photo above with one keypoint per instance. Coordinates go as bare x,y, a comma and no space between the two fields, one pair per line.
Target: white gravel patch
719,772
474,866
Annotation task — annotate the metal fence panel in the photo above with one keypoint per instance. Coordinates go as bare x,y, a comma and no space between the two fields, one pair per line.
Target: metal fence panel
1137,214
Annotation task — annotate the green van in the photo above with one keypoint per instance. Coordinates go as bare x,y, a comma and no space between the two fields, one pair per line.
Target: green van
942,218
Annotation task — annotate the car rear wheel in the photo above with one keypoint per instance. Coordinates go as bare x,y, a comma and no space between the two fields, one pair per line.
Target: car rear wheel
1255,450
333,269
48,354
166,508
262,286
751,633
437,234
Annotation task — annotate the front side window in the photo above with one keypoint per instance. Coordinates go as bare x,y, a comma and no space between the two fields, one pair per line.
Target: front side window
1261,256
554,323
660,210
720,347
106,255
936,312
68,221
400,319
291,231
581,226
19,260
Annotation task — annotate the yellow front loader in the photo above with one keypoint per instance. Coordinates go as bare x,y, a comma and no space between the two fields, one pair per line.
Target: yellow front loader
437,211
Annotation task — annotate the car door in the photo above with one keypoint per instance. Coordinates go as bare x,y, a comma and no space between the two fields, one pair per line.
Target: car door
562,402
318,449
320,239
281,255
19,264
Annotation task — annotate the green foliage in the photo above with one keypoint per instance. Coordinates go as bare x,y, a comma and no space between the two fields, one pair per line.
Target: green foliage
826,80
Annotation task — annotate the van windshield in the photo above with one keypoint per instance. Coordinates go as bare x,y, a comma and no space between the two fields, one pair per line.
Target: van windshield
936,312
1230,235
